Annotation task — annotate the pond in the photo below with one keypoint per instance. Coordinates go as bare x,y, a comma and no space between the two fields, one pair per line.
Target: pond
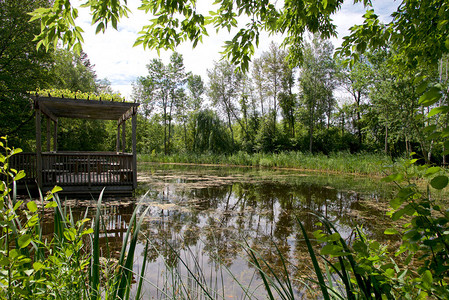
202,220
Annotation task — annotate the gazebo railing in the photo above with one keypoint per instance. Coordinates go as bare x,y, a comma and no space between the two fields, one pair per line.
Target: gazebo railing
88,169
25,161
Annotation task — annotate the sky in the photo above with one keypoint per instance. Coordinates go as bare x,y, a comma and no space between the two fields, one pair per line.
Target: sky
117,60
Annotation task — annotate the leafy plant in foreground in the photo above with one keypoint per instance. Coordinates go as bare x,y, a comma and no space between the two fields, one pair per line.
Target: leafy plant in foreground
64,265
364,269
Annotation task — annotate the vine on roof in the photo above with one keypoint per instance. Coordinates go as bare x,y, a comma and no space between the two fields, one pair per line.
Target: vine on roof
65,93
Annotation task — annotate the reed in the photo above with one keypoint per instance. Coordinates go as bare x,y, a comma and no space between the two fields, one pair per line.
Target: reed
344,162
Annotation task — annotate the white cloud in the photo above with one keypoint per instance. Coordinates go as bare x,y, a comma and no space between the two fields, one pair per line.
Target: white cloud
116,59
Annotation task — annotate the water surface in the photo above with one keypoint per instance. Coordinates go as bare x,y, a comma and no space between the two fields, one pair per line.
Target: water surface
208,217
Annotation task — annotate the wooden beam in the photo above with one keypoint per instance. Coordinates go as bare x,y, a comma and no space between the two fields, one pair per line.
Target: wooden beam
117,142
38,148
124,137
48,113
134,149
55,136
127,115
85,109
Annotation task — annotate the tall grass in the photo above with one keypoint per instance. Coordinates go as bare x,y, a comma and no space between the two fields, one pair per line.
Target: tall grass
360,163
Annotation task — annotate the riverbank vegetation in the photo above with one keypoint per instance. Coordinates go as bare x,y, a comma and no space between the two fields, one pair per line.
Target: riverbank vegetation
341,162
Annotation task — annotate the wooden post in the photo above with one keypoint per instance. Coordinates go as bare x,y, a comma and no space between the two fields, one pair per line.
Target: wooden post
38,148
134,149
88,172
55,136
117,144
124,136
48,134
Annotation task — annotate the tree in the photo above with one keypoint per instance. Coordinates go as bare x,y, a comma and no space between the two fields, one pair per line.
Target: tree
76,73
73,72
317,83
356,81
224,91
23,69
259,82
277,78
163,87
287,99
211,133
196,90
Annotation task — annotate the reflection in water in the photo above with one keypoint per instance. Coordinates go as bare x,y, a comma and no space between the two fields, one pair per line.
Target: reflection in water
114,222
206,219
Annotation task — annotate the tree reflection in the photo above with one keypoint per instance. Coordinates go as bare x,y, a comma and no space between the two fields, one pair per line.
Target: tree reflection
218,220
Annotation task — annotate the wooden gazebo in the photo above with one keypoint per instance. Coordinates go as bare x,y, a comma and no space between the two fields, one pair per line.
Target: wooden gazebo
81,172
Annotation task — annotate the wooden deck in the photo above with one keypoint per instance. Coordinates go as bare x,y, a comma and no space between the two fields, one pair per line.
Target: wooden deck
78,172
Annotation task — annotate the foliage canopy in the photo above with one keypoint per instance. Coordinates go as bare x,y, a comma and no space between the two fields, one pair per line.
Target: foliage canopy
179,21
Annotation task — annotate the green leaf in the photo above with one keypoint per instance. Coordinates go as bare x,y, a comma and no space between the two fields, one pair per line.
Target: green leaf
430,97
24,240
438,110
37,266
422,87
397,202
51,204
88,231
439,182
432,170
32,207
56,189
427,280
100,27
391,231
393,177
69,234
20,175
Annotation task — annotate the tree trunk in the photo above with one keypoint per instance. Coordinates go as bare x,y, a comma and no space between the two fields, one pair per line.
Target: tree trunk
444,156
185,135
230,127
311,131
359,129
165,130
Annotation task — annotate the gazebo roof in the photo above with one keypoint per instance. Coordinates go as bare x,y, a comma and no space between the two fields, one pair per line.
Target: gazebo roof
84,109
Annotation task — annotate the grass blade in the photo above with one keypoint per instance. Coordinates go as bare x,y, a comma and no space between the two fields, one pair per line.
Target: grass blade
318,272
262,274
125,280
95,276
142,273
